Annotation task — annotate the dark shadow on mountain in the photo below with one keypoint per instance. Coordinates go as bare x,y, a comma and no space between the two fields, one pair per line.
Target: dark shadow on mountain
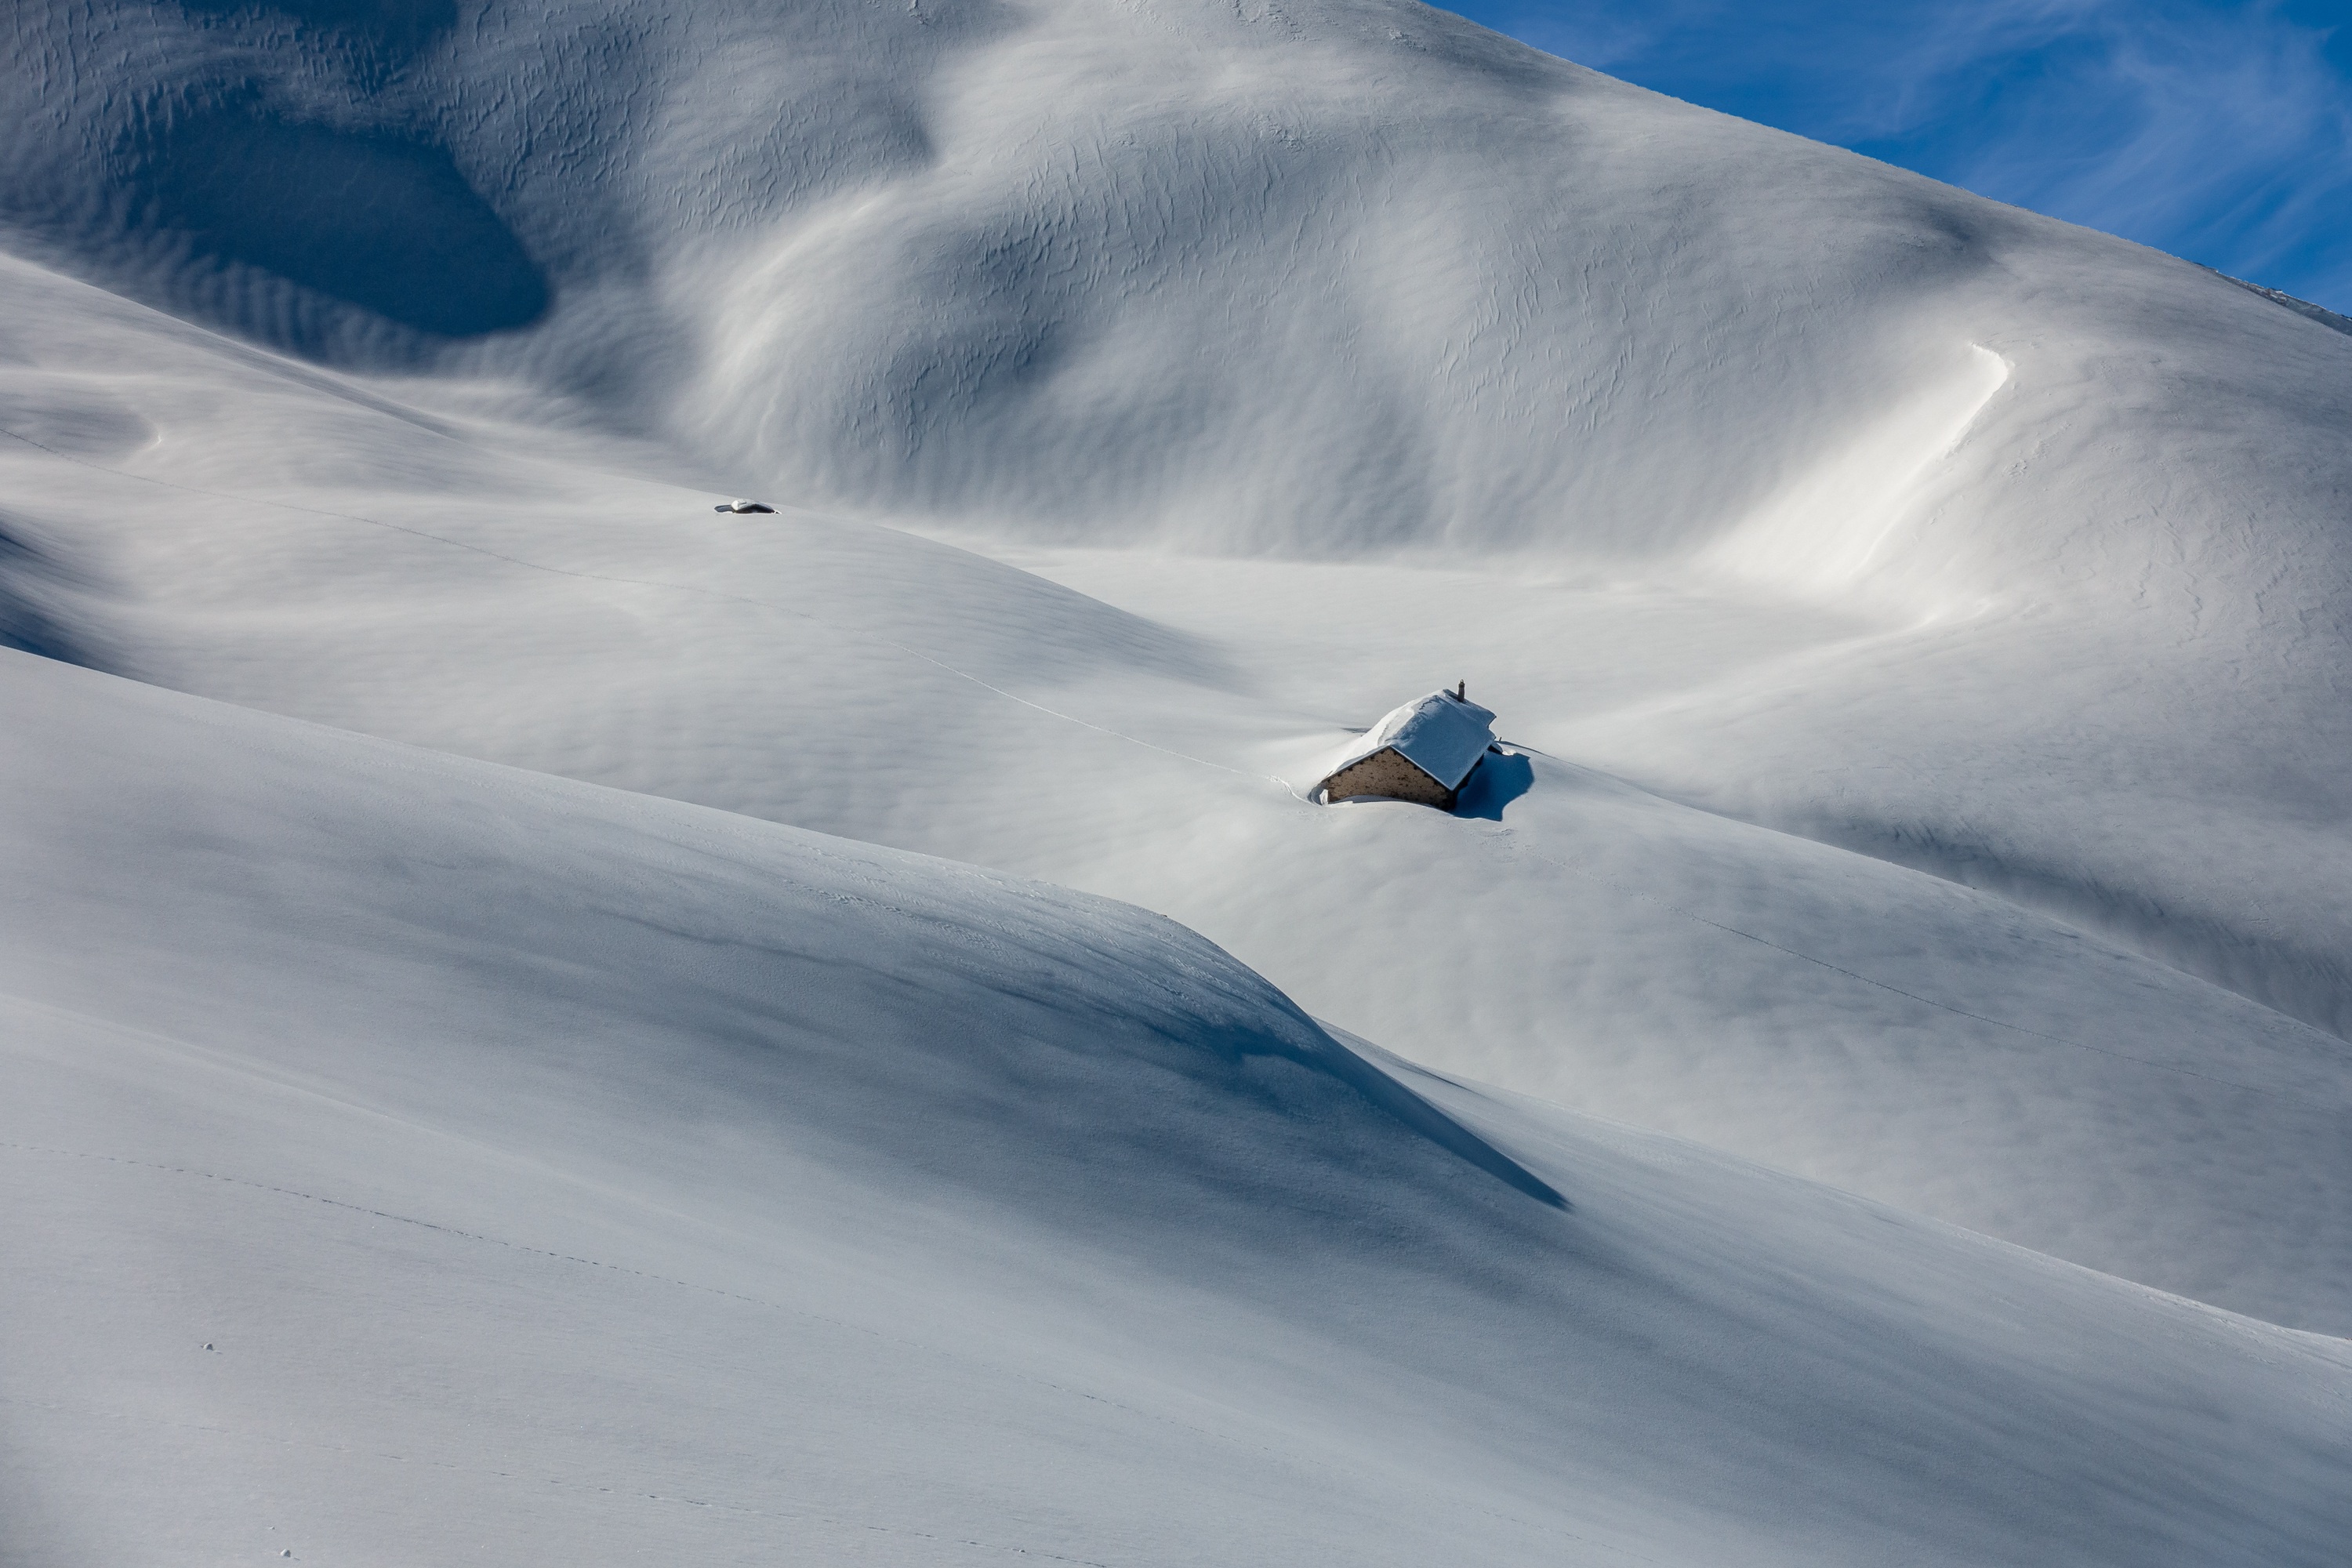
1426,1120
1500,778
398,27
369,218
1456,1137
30,576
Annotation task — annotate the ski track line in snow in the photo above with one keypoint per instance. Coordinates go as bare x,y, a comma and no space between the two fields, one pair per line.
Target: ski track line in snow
1210,1435
1502,836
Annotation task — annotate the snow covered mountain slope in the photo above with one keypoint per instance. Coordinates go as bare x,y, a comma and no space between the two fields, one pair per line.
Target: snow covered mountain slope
1330,276
214,519
411,1159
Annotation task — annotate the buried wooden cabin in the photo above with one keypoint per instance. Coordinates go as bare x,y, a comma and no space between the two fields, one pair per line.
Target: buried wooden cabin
1422,751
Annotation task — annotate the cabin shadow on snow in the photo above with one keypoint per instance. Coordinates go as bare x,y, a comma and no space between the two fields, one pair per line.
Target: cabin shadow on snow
1500,778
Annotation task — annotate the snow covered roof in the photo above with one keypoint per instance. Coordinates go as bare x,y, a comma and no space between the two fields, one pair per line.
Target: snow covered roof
1442,734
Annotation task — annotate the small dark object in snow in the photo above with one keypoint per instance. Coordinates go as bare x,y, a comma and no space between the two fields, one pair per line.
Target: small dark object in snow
743,506
208,1345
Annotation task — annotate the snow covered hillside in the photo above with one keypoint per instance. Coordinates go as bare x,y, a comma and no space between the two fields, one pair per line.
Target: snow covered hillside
1918,628
554,1173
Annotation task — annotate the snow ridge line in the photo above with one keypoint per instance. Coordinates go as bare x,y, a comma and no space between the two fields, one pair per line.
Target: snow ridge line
854,634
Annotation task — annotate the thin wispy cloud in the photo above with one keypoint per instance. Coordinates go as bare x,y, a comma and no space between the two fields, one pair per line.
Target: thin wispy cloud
2221,131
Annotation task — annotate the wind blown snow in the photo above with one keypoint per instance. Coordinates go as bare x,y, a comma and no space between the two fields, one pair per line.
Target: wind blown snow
549,1018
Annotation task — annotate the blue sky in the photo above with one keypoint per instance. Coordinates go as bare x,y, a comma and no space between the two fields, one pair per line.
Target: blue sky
2217,131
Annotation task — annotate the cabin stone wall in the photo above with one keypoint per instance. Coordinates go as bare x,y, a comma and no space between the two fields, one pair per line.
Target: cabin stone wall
1387,774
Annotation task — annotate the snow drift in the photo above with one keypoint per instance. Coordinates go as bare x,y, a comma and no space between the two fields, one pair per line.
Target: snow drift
407,560
1333,278
1920,628
413,1157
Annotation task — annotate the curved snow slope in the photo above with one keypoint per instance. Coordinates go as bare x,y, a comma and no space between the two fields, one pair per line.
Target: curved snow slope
410,1158
1326,278
1319,277
1785,485
210,517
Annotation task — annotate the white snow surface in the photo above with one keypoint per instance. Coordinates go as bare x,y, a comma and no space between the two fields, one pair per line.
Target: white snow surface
1439,734
1919,630
416,1160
